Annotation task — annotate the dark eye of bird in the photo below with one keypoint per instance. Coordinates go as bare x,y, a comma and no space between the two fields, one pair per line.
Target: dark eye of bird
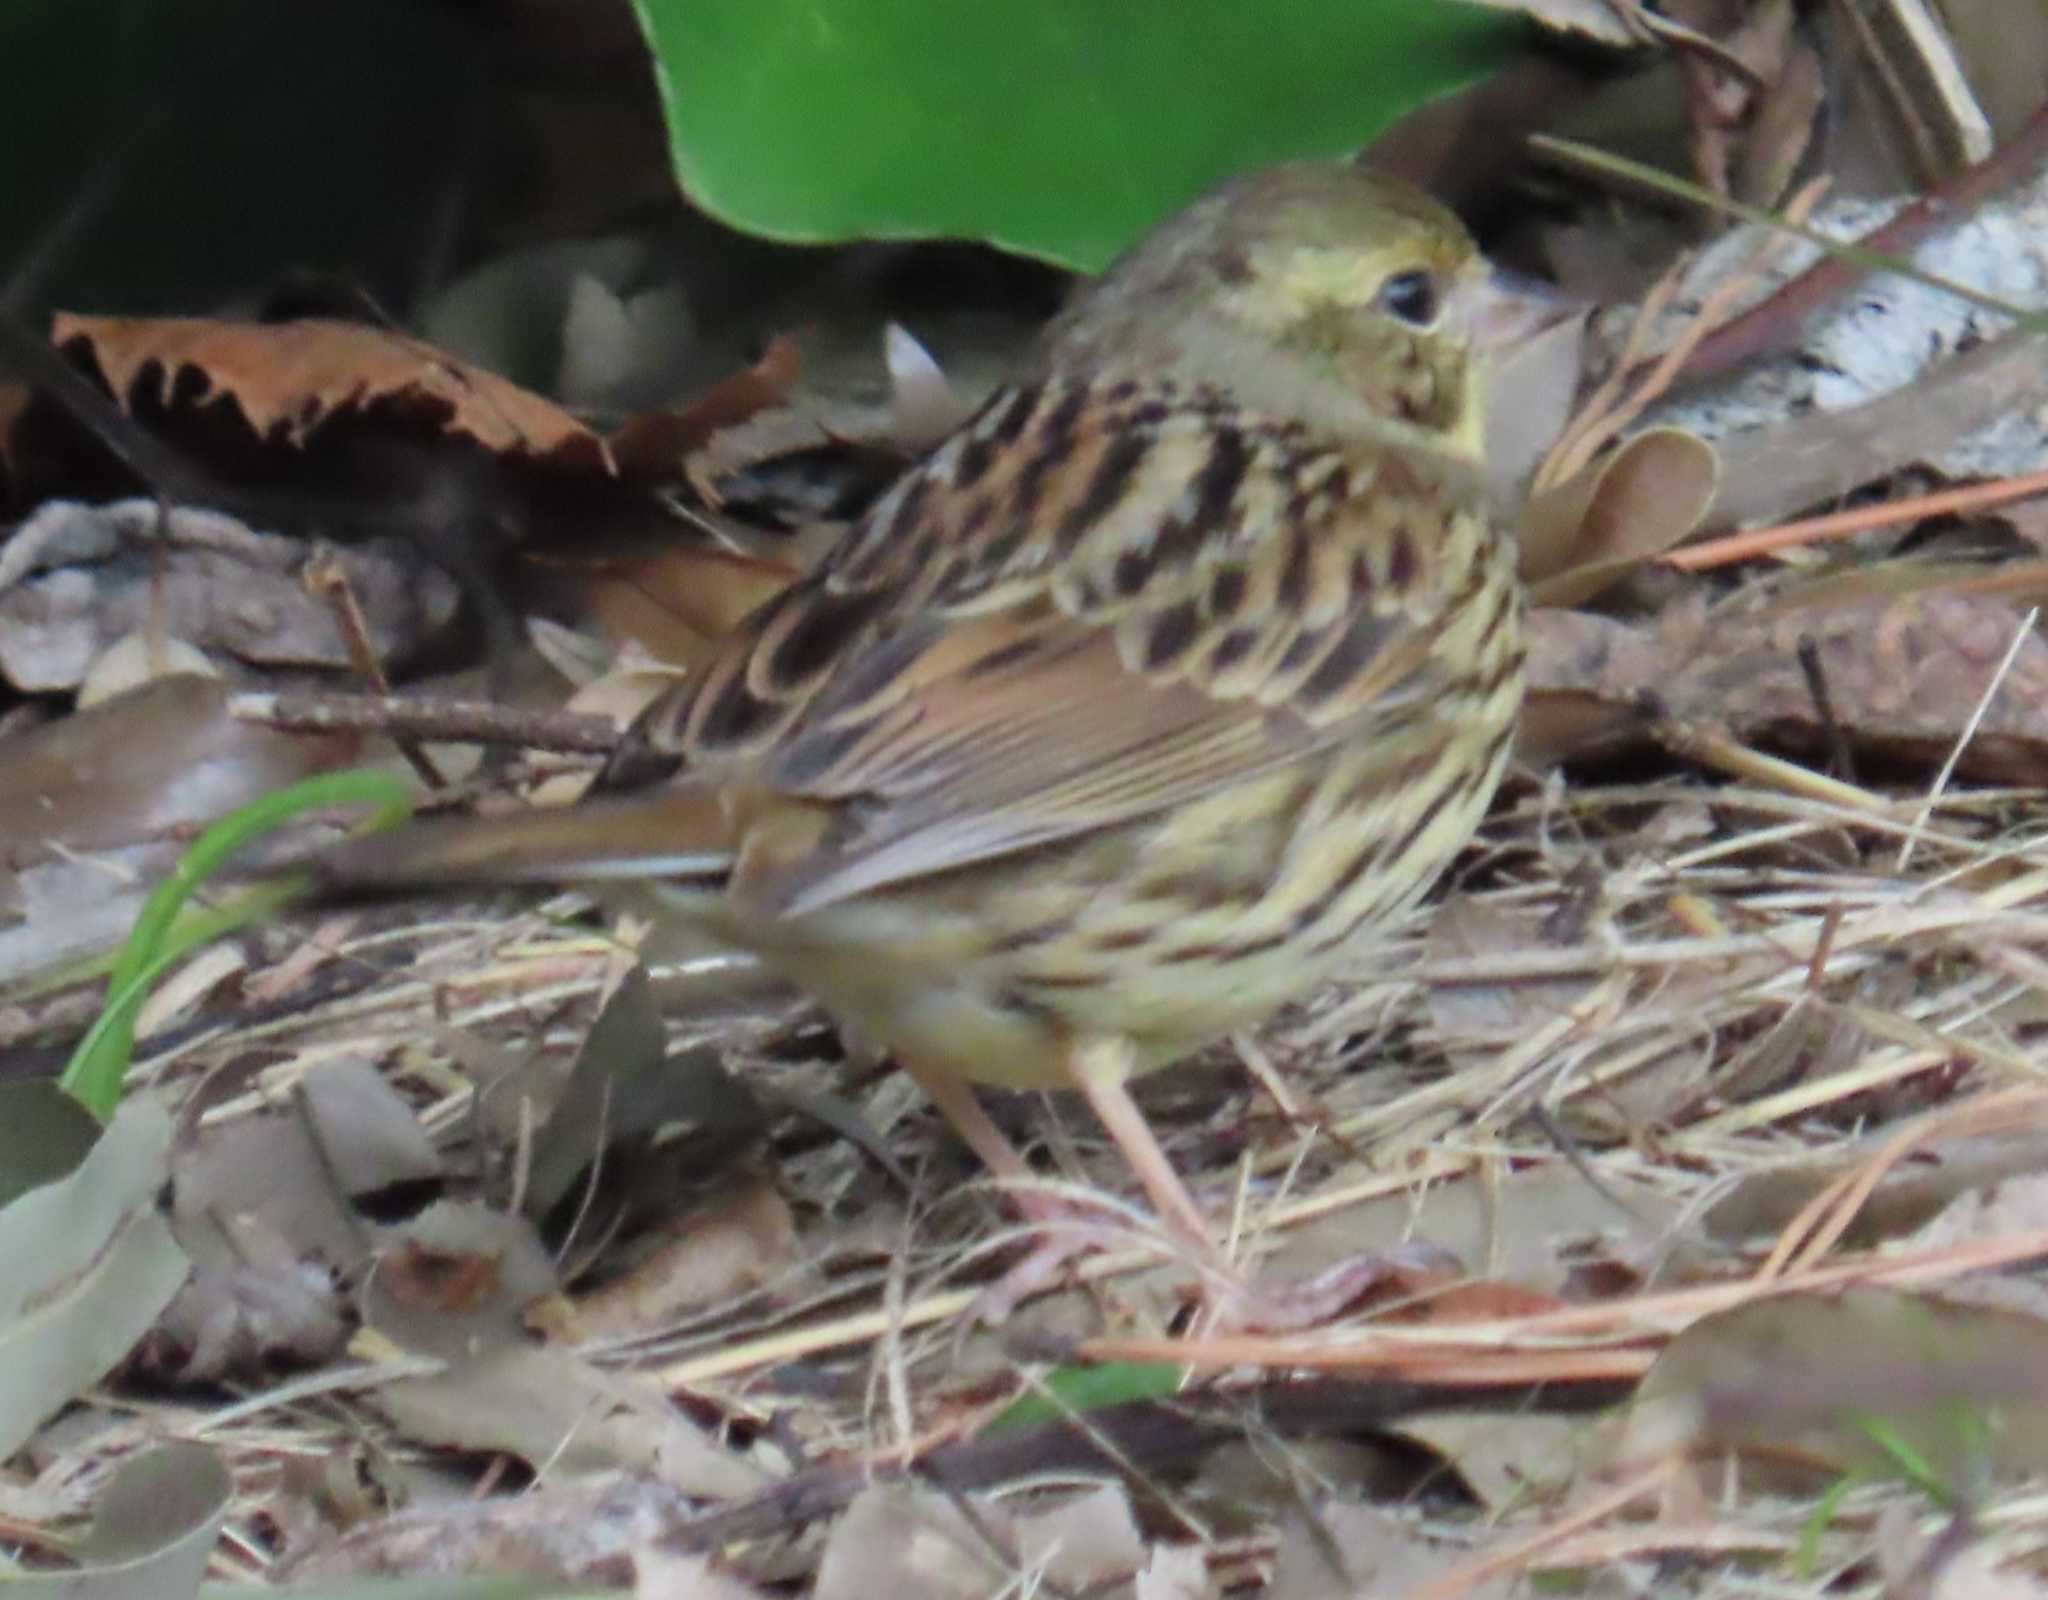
1411,296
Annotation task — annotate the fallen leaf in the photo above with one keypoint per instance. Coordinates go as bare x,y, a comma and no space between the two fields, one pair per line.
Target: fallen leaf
735,1243
154,1529
75,580
86,1265
1903,674
1806,1380
553,1410
456,1280
574,1532
136,658
1350,1550
289,379
1506,1461
1640,500
653,445
922,406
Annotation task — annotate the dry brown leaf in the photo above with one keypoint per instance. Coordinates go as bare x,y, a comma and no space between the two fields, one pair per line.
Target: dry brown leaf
115,782
734,1244
1781,128
551,1409
1484,1015
247,1318
1903,674
1636,503
652,445
560,1530
289,1175
1083,1543
676,603
288,379
456,1280
1952,1190
1529,396
1505,1460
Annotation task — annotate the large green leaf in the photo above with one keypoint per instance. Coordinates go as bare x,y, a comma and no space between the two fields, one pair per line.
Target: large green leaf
1056,127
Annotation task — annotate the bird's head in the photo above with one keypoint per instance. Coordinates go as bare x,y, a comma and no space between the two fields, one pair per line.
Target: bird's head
1316,290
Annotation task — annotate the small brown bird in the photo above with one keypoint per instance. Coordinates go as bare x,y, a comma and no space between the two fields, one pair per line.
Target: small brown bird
1120,720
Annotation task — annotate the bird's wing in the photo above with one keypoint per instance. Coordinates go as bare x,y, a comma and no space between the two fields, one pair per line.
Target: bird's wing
1004,655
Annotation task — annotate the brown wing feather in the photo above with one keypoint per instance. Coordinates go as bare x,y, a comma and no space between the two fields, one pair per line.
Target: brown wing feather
998,657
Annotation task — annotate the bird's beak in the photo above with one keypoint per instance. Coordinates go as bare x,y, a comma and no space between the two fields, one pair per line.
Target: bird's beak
1505,308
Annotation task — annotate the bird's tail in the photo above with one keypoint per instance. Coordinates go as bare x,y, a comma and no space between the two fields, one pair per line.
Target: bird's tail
673,835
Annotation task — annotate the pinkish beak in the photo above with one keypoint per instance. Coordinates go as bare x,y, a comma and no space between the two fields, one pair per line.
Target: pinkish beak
1504,308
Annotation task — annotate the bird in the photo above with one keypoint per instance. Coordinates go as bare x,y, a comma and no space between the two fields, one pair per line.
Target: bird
1191,658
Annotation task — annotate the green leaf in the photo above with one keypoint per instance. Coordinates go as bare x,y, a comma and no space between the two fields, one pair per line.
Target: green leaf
1060,128
99,1065
1067,1390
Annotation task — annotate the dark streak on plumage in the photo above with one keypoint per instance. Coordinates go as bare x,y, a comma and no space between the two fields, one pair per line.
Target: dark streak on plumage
1312,914
1402,566
1106,486
1233,648
1173,631
1294,574
1222,475
1133,570
1228,586
1301,650
1422,822
819,636
1123,939
1009,655
1016,412
1359,643
977,455
731,717
816,753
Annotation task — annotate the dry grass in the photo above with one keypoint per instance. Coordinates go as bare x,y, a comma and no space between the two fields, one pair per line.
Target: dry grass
1671,987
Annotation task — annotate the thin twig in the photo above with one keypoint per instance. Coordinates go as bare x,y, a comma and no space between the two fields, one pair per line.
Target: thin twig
325,577
1935,791
1770,324
449,721
1859,519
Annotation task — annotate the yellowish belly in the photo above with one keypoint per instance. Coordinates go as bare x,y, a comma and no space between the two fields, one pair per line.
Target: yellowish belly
1169,933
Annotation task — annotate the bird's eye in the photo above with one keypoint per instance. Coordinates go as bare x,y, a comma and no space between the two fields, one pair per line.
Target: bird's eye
1410,296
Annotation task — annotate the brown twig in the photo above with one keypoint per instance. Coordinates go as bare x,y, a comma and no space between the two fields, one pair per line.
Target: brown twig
1859,519
1767,326
453,721
324,577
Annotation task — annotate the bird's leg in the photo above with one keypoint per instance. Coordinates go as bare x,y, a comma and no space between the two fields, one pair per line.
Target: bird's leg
1101,1069
1068,1230
957,1104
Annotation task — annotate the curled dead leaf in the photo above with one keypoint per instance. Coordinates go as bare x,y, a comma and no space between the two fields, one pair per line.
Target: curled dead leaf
288,379
1635,503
